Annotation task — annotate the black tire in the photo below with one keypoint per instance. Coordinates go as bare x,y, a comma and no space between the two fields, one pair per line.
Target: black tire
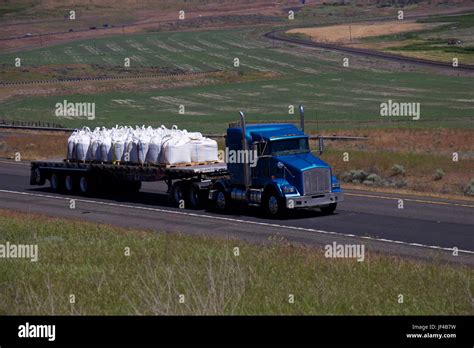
196,197
86,185
56,182
37,178
329,209
70,183
274,205
177,194
222,201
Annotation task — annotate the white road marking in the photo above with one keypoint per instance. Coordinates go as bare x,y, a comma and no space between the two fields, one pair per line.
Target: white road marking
14,162
212,217
408,199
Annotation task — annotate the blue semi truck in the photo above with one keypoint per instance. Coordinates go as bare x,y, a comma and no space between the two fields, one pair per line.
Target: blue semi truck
285,176
266,165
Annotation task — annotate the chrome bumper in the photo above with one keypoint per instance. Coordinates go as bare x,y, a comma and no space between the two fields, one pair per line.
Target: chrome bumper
313,200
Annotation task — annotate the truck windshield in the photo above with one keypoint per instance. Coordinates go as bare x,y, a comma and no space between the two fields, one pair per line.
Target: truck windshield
289,146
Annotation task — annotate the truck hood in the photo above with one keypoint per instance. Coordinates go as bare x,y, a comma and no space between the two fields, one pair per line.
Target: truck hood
301,162
297,164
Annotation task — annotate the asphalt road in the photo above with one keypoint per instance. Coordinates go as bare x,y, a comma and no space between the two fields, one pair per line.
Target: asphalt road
424,228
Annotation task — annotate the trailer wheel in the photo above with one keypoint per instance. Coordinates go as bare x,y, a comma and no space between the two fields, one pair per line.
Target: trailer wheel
86,185
37,178
177,194
329,209
70,183
273,204
55,182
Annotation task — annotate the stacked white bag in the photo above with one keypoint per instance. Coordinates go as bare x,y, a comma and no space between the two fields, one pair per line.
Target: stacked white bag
202,149
140,145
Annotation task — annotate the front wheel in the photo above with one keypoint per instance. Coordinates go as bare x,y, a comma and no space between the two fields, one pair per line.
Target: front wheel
274,205
329,209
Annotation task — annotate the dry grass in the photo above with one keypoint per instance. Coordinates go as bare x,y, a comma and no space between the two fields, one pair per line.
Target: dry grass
343,32
442,141
33,145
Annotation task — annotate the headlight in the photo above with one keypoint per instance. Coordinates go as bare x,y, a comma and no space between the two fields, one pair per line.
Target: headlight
288,189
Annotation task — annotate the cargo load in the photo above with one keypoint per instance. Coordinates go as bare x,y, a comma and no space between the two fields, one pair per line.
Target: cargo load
141,145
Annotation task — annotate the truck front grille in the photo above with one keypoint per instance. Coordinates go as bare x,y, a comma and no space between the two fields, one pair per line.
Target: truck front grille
317,181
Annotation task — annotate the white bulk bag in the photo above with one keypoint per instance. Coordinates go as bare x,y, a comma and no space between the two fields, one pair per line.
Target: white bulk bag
93,149
154,149
71,143
82,143
175,149
203,150
142,148
132,149
105,143
117,150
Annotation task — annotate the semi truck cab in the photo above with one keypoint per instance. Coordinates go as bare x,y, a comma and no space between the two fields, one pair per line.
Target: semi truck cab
280,173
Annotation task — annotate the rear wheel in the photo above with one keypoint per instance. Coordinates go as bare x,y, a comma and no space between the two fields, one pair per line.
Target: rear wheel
86,185
222,199
70,183
195,197
177,194
37,178
55,182
329,209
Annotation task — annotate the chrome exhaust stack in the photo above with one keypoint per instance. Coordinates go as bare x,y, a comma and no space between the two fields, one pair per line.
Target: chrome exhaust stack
301,117
245,147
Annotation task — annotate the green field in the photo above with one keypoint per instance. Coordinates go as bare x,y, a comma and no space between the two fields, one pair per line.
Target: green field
88,260
335,97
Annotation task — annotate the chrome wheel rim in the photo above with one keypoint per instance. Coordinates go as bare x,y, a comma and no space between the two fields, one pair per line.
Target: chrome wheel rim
273,205
54,182
69,183
220,200
83,184
178,194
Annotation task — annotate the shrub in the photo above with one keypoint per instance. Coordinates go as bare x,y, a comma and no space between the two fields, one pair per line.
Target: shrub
469,189
398,169
438,174
355,176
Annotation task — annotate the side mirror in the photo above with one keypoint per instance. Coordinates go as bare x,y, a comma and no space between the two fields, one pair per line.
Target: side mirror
321,144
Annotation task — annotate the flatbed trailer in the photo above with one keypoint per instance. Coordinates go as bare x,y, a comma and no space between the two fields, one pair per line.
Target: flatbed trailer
188,183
